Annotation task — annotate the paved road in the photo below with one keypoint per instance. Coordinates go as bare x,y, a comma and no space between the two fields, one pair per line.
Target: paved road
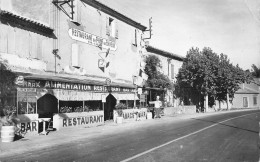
221,137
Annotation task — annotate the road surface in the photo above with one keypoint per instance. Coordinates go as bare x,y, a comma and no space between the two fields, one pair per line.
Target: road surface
223,137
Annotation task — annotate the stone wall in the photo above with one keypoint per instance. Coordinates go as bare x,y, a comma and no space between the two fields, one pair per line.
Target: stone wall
180,110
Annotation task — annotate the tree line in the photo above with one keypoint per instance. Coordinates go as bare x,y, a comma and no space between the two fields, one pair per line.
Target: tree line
211,75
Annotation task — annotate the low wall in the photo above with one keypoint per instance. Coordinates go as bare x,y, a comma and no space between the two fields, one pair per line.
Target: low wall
129,114
180,110
78,119
29,123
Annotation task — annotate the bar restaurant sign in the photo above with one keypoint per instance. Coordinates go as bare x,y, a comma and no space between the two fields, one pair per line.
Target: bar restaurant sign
91,39
72,86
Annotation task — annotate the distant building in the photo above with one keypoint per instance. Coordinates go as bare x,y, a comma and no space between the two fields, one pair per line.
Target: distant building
171,63
248,96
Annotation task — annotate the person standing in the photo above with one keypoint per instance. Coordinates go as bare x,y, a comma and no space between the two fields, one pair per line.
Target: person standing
157,105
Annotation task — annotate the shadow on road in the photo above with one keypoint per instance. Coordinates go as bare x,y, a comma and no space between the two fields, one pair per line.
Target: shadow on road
227,125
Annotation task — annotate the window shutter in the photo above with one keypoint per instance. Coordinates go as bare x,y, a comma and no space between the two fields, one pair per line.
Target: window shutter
107,26
75,55
79,5
116,30
73,10
39,48
135,38
172,71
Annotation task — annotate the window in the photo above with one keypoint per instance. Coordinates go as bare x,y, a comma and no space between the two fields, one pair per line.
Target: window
26,100
245,102
172,71
75,55
135,38
75,13
255,100
111,27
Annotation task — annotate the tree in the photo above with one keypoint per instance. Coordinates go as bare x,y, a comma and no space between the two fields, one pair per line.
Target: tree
210,75
156,79
255,71
7,82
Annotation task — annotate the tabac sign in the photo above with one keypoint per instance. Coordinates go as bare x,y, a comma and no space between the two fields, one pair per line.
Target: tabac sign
91,39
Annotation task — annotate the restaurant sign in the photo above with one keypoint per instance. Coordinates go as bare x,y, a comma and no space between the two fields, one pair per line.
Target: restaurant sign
84,120
72,86
91,39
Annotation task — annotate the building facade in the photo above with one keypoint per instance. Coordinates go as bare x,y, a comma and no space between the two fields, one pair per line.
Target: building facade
248,95
71,56
171,63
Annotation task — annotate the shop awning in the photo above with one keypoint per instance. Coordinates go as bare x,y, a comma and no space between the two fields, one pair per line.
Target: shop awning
66,95
69,95
125,96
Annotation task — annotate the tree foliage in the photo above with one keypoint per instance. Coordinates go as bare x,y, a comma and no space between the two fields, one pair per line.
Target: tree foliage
255,71
156,78
209,74
7,81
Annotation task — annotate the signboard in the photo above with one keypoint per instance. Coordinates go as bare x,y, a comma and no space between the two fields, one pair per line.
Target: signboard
142,98
139,91
19,80
108,81
91,39
103,97
82,119
46,84
101,63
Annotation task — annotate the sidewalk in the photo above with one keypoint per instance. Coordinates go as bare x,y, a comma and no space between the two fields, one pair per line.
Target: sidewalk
68,135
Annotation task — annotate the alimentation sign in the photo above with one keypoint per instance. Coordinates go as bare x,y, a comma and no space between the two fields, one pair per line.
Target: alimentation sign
91,39
72,86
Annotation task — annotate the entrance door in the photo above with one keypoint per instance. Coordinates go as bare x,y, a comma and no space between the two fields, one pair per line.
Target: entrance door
47,105
245,102
109,107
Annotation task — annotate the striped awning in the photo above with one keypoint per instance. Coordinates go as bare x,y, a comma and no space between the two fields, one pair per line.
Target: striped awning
125,96
70,95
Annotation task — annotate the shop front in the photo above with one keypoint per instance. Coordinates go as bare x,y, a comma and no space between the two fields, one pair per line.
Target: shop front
67,104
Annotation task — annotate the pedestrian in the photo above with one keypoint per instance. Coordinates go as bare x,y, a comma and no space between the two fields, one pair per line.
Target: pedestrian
157,105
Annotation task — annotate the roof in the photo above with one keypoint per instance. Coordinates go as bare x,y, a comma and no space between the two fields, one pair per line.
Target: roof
246,91
164,53
114,13
15,18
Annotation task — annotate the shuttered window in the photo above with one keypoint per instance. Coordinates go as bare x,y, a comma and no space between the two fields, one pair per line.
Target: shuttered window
255,100
172,71
245,102
111,27
75,13
75,55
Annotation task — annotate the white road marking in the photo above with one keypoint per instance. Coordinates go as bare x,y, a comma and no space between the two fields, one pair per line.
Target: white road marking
165,144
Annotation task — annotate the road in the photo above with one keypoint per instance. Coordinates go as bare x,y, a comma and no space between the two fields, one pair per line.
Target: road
223,137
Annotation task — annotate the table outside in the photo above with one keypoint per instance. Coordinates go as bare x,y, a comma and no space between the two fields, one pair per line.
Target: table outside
44,132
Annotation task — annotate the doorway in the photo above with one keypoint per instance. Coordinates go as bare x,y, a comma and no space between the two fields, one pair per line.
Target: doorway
47,105
109,107
245,101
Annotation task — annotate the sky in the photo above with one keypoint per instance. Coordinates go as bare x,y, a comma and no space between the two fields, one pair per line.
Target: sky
231,27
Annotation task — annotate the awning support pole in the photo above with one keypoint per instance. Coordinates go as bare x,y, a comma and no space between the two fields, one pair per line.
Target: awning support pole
83,106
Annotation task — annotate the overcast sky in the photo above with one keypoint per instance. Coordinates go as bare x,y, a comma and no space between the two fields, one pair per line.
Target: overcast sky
231,27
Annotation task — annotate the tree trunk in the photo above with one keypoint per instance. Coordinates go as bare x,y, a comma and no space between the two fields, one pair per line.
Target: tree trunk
228,106
206,101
